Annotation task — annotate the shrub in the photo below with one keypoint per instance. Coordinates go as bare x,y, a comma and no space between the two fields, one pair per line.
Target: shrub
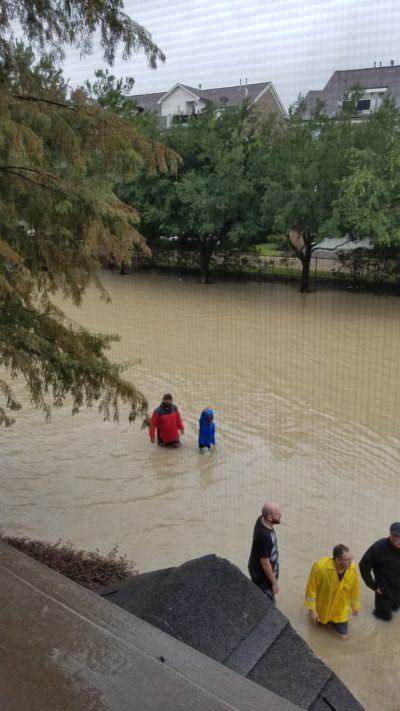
89,569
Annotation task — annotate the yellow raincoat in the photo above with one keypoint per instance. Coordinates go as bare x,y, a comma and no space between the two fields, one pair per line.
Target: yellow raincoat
329,596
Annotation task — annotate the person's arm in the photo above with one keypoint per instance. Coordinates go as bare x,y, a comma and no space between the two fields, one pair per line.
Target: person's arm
355,591
366,566
153,427
212,433
179,422
310,602
269,574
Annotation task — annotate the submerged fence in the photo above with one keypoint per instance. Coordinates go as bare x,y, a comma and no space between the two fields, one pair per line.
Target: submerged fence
357,272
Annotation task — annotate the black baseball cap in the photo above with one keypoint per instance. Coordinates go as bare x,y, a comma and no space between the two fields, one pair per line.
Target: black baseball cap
395,528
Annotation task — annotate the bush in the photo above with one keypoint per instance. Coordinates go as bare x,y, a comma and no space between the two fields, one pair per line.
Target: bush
89,569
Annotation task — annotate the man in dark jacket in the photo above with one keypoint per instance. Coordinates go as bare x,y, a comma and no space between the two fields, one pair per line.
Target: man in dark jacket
380,570
167,421
264,557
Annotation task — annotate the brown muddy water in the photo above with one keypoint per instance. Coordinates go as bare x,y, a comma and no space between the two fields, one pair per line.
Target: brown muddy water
306,394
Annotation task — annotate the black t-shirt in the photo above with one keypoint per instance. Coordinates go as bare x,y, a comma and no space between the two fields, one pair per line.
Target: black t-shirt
264,546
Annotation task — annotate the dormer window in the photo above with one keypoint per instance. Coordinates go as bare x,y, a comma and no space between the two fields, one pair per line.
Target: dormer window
370,100
364,105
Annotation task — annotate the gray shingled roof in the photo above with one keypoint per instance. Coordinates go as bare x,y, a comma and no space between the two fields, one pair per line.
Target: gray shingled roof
234,95
148,101
368,78
210,605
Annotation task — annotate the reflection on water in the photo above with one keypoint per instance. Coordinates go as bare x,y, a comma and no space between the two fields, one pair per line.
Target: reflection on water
306,394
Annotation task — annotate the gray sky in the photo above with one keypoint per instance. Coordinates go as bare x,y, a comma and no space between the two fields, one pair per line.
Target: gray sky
296,44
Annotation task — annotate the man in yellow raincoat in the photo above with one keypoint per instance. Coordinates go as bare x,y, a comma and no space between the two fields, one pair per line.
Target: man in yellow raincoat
332,589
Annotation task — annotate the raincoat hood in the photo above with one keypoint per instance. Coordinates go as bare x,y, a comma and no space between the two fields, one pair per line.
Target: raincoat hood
205,414
207,428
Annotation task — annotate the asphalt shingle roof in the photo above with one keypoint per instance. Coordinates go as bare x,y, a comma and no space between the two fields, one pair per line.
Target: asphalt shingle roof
210,605
225,96
368,78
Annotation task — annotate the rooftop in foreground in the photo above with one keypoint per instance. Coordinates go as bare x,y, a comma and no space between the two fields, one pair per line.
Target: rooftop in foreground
64,648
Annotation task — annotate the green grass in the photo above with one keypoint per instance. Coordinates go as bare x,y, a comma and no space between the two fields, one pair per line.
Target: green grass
268,249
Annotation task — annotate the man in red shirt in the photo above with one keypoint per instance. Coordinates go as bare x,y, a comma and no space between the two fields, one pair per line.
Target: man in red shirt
168,423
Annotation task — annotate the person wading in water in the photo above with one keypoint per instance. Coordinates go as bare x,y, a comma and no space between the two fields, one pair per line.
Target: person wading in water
167,421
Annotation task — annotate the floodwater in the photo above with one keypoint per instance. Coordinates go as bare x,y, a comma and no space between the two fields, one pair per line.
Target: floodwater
306,394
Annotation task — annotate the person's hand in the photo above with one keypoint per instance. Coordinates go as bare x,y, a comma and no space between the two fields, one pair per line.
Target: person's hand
275,587
355,613
314,616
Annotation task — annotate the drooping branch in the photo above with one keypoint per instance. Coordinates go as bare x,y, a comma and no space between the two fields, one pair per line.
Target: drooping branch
16,171
39,99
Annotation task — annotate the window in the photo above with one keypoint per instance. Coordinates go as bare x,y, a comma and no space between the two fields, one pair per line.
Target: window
364,105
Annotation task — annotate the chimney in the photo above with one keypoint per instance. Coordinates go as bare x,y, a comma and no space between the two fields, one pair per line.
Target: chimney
240,82
392,62
245,81
199,87
374,65
380,64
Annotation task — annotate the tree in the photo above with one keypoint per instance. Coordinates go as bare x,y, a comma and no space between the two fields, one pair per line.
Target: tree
211,202
367,204
59,158
113,94
307,160
52,25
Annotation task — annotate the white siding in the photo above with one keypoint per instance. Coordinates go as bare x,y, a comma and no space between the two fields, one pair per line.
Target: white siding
180,102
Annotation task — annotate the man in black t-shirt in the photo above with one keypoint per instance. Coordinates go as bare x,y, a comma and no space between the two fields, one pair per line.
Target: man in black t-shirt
264,556
380,570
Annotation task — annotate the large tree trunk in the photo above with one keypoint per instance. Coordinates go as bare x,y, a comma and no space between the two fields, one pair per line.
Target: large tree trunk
305,272
302,244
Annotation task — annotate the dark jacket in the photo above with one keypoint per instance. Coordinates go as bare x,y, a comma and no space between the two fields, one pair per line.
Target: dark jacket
380,566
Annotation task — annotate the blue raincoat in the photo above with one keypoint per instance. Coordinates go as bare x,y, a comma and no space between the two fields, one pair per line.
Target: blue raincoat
207,429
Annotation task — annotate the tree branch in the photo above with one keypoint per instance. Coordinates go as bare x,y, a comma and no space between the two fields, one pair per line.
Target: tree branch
15,170
332,249
21,97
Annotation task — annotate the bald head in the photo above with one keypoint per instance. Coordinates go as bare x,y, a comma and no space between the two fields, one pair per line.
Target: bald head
271,513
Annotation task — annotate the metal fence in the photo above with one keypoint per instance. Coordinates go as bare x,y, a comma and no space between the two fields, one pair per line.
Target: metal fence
366,271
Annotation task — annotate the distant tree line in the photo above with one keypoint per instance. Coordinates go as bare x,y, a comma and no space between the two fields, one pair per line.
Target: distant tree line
240,179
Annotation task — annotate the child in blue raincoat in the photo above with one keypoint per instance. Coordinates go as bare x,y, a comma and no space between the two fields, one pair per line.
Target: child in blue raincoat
206,430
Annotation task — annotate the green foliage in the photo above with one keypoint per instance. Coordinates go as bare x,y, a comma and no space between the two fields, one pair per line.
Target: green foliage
269,249
51,25
307,160
211,202
367,204
60,156
113,94
334,177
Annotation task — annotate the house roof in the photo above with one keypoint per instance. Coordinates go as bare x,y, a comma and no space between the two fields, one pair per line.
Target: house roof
210,605
66,648
149,102
220,96
342,80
